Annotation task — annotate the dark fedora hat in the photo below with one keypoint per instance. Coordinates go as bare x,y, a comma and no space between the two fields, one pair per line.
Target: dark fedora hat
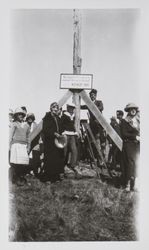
94,91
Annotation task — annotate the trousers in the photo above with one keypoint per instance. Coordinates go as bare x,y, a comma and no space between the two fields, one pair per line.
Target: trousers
71,148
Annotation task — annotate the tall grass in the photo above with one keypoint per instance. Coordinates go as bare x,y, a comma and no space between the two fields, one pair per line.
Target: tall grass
72,210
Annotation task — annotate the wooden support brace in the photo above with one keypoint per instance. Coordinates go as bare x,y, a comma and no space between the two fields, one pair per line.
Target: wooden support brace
109,130
36,131
95,143
64,99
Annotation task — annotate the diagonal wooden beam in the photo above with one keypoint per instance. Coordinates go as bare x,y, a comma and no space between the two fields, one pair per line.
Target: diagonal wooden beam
109,130
36,131
64,99
95,143
61,102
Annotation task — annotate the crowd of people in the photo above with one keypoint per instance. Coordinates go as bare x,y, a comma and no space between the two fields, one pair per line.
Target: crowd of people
59,145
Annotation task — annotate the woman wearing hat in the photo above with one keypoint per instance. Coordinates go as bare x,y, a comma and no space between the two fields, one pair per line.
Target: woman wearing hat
53,152
130,132
19,146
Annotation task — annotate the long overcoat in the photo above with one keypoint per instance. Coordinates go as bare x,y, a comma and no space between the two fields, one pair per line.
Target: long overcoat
53,156
131,147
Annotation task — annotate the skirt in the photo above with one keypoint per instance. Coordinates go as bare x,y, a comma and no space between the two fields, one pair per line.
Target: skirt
18,154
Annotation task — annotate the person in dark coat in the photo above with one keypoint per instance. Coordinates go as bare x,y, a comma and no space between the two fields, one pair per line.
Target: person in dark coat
130,132
95,126
53,156
113,157
119,115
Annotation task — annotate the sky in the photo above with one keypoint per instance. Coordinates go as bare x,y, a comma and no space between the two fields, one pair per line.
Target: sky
41,45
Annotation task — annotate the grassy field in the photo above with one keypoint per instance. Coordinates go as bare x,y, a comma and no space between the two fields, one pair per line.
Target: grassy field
72,210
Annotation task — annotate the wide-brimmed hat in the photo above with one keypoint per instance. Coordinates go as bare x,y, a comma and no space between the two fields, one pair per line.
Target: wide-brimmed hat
61,142
19,111
30,115
131,106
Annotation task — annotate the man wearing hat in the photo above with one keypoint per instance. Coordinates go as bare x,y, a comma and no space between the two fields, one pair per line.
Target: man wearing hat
96,128
130,132
119,115
68,122
112,157
93,96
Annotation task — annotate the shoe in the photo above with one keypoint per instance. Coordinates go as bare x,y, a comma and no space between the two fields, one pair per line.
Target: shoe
132,184
68,170
127,189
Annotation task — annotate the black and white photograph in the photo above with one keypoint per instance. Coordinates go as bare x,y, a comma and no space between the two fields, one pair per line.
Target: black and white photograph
74,125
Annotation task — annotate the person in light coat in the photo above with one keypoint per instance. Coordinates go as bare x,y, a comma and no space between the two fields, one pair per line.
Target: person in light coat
19,146
68,123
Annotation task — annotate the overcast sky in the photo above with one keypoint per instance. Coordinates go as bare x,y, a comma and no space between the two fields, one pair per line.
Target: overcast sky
42,49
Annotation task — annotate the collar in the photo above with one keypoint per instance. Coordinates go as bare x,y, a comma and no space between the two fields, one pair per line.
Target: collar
132,121
69,115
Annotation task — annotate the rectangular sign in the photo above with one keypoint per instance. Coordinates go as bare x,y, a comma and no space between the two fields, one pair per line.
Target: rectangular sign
71,81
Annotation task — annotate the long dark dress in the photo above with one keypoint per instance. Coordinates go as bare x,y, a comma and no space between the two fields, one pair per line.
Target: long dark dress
53,156
130,149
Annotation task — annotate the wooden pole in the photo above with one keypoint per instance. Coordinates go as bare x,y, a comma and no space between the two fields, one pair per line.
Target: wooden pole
77,62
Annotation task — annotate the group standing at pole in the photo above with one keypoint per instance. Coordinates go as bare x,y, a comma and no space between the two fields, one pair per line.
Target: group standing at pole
58,144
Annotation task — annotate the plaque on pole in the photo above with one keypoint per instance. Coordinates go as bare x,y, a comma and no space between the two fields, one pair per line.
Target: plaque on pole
79,81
